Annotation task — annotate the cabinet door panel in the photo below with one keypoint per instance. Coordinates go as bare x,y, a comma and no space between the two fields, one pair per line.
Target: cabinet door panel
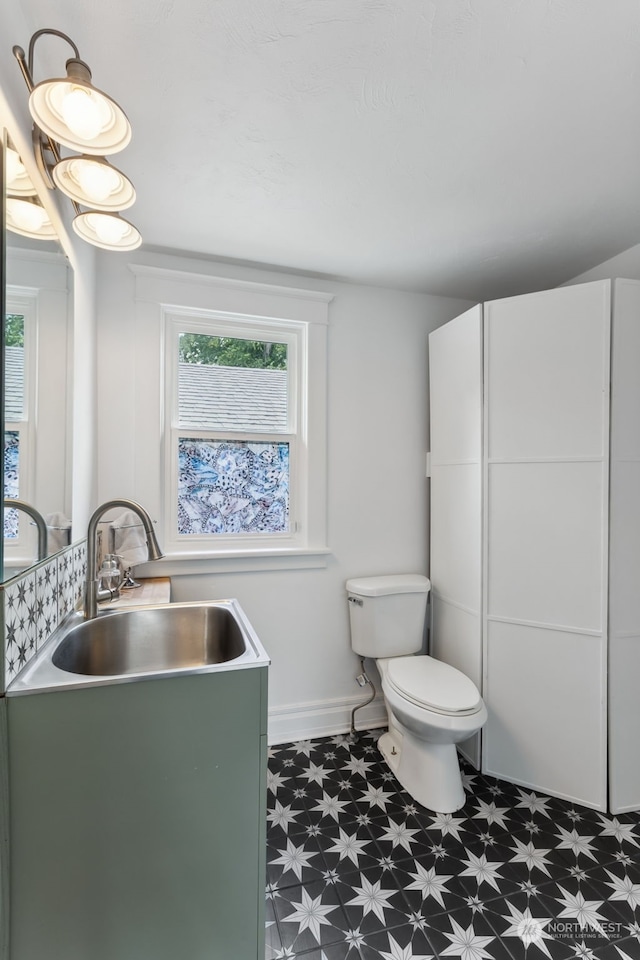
455,397
624,723
546,539
546,544
456,498
546,727
624,558
624,551
547,364
455,389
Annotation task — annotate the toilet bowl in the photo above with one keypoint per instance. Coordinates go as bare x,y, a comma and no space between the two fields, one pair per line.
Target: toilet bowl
431,706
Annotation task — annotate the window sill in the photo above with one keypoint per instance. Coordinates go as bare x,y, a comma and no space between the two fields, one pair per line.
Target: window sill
178,564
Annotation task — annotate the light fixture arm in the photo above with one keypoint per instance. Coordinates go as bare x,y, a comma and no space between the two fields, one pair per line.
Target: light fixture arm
26,63
42,142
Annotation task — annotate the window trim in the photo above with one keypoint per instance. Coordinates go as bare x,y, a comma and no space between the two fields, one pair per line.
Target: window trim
159,289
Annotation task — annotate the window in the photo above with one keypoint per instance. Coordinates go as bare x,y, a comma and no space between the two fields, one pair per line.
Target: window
19,334
237,439
287,320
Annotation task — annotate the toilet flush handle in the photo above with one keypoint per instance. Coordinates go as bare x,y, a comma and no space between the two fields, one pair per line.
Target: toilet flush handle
357,601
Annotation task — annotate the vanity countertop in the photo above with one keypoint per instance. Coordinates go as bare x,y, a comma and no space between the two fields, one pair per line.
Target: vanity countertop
153,590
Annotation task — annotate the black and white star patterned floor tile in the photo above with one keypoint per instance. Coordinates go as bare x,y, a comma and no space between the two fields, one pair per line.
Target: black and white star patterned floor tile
356,870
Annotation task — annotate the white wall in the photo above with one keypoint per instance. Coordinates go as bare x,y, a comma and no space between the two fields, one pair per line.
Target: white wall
625,264
377,501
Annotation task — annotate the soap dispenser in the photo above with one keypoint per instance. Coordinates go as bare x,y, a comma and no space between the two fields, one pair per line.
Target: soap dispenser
111,574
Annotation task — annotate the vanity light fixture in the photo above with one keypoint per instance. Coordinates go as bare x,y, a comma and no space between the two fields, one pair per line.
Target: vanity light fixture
70,112
77,115
27,216
93,182
18,182
107,230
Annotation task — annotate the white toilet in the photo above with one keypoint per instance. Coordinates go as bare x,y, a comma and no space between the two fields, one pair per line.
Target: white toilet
431,706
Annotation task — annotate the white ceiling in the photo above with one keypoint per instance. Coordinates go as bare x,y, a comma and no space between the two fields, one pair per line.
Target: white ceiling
473,148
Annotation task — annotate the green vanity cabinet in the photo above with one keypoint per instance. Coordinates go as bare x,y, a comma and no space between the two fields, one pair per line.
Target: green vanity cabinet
137,815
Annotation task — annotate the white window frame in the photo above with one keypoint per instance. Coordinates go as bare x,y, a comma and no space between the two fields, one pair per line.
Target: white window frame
25,303
162,291
270,330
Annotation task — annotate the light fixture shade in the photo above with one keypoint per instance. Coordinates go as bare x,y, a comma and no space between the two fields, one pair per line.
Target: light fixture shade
28,218
107,230
94,182
73,112
18,181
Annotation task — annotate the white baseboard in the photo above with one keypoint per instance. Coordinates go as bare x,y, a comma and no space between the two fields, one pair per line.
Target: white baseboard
323,718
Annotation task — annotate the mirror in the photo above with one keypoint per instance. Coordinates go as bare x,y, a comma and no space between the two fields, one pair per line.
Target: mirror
36,394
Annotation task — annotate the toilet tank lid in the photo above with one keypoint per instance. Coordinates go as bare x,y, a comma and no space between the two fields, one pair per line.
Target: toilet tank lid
381,586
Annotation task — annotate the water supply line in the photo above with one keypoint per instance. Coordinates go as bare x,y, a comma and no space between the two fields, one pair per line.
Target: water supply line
363,680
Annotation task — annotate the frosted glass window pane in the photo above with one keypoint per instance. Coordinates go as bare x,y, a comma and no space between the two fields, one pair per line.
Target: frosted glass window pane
227,383
11,481
229,487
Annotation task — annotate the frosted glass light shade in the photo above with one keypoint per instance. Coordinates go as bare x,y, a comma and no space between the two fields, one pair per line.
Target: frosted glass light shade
107,230
94,183
18,181
73,112
28,218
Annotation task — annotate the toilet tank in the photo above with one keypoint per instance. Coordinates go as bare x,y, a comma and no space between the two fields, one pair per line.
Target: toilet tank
387,614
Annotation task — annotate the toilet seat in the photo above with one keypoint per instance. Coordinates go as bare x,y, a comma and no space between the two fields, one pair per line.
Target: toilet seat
433,685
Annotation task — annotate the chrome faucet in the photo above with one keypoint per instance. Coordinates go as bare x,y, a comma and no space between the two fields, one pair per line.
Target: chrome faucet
38,519
153,549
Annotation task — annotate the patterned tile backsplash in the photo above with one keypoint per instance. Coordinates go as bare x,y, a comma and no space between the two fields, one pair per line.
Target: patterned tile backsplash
33,603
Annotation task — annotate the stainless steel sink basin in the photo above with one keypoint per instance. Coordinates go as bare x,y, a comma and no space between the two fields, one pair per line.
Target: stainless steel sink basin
143,642
150,640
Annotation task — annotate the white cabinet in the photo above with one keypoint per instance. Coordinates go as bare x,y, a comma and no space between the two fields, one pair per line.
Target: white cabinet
455,387
559,528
